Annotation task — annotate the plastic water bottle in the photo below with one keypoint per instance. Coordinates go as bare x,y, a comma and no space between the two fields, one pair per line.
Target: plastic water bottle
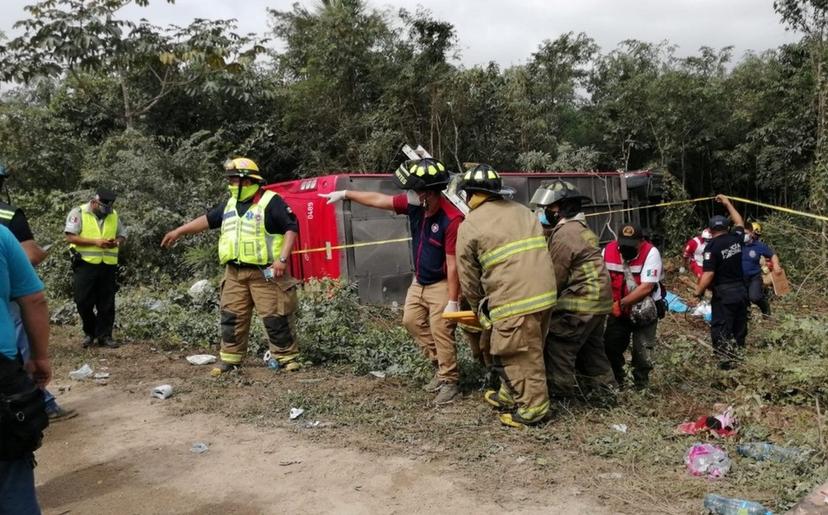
271,362
767,451
719,505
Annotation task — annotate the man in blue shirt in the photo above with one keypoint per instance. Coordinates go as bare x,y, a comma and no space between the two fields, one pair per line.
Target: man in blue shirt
18,282
754,250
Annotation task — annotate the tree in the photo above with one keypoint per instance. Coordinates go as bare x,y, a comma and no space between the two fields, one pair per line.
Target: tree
79,38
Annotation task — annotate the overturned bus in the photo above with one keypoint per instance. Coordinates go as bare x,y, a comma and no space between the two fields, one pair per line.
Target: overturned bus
371,247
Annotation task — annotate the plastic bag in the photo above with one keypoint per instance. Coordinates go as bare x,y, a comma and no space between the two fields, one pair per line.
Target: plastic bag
704,459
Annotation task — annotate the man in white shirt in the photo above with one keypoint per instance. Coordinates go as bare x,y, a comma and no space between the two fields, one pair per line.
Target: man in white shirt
635,269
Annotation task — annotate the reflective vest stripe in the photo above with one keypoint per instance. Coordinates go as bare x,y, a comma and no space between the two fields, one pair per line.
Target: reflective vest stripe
232,358
6,214
524,306
245,238
636,269
500,254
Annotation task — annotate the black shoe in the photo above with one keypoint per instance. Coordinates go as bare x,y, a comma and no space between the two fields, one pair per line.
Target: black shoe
108,342
87,341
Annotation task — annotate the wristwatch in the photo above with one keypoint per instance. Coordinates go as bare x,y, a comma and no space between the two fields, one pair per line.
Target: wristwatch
282,259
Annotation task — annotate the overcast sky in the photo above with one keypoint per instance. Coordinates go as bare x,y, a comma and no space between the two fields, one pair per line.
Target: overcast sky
507,32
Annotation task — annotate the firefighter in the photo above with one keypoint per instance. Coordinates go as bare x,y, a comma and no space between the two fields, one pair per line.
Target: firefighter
722,273
435,288
754,250
635,269
576,330
95,234
506,275
258,230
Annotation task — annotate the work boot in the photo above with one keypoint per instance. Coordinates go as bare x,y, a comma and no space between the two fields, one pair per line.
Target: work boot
523,417
108,342
500,399
223,368
57,414
433,385
87,341
447,392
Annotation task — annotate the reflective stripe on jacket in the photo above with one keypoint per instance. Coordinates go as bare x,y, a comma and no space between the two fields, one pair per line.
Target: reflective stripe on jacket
244,238
502,257
615,265
582,278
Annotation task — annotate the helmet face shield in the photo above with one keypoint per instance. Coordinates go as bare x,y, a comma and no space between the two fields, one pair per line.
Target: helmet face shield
543,197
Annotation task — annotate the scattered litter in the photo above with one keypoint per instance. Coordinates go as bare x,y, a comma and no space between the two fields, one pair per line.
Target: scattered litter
199,448
271,362
704,459
703,310
722,425
621,428
201,291
101,382
542,461
162,392
720,505
763,451
520,459
101,375
64,388
377,374
81,373
296,413
287,463
674,303
201,359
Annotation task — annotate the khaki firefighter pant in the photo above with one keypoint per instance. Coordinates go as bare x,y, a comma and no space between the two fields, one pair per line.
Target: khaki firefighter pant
517,351
244,288
423,319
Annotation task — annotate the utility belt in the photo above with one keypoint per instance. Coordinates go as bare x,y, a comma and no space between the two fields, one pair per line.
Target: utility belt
22,412
240,265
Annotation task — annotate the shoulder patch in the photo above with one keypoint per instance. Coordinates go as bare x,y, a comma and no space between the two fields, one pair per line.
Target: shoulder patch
707,255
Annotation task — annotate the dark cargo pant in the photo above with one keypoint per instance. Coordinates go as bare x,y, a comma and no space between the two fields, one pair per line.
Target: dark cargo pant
617,339
244,288
574,354
728,326
756,293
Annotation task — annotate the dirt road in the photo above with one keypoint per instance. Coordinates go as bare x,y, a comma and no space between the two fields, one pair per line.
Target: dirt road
126,453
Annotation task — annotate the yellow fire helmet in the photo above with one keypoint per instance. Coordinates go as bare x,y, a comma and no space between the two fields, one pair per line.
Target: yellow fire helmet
242,167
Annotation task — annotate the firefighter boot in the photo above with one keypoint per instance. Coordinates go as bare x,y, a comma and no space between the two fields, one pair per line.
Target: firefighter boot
523,417
500,399
223,368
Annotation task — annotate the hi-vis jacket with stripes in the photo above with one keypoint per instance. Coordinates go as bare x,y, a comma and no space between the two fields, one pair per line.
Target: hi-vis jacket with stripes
582,278
502,257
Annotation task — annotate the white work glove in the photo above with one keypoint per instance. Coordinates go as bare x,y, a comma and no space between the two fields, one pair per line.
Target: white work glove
334,196
452,306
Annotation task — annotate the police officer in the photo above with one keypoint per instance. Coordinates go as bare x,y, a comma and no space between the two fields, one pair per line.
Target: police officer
95,234
435,288
722,273
258,231
506,275
576,330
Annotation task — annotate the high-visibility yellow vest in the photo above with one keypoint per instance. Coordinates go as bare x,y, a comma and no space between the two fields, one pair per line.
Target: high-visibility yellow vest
244,238
90,229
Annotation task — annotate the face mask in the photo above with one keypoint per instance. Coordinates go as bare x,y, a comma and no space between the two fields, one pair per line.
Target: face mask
628,253
553,217
243,193
542,217
748,238
103,209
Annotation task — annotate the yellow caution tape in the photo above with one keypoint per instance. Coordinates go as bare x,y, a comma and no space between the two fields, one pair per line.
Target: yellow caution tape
779,208
649,206
350,246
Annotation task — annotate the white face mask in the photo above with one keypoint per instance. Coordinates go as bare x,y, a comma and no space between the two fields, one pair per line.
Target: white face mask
748,238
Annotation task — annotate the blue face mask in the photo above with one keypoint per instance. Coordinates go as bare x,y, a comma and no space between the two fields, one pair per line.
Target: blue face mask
542,217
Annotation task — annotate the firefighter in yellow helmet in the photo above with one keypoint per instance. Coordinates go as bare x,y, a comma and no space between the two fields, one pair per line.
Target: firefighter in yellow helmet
506,275
258,230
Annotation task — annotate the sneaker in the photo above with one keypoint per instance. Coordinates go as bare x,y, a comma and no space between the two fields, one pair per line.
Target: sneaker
87,341
57,414
108,342
223,368
447,392
433,385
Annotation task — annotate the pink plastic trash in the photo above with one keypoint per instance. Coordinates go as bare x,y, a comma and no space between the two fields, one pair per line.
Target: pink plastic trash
704,459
